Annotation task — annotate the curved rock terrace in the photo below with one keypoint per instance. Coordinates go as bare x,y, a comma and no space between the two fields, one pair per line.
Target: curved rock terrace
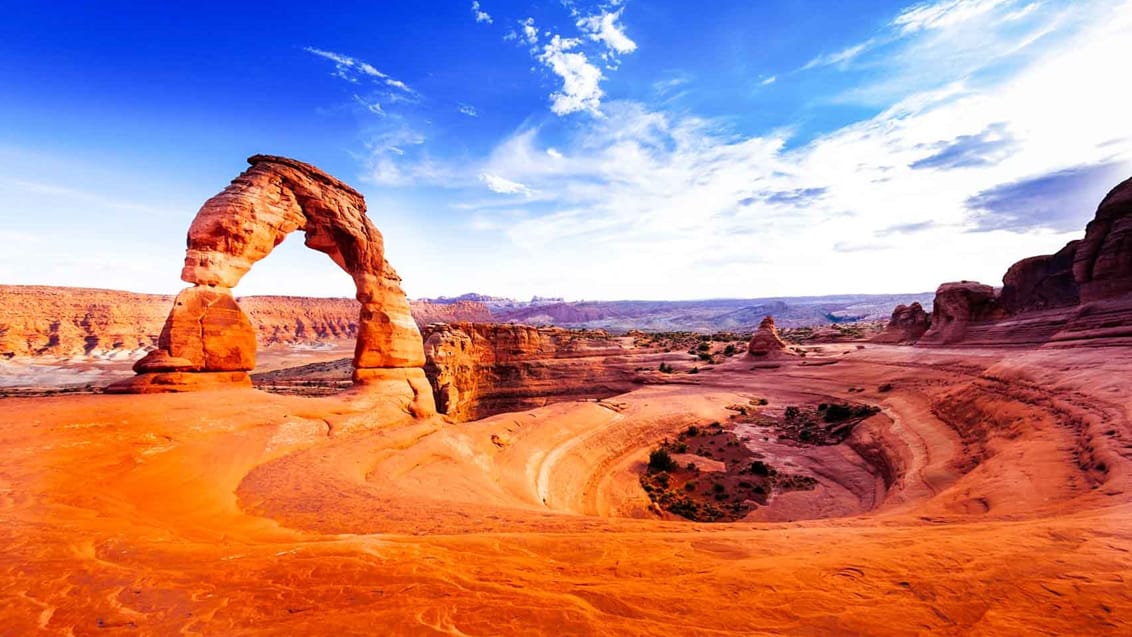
978,482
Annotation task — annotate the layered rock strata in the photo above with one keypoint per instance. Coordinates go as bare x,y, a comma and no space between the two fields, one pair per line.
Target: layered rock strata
480,369
39,320
240,226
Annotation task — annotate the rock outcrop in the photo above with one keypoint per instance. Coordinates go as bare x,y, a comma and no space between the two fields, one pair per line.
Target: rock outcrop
1041,283
956,306
907,325
765,342
1081,293
241,225
1102,264
480,369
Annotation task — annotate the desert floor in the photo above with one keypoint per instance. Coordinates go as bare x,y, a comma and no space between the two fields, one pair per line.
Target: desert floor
990,496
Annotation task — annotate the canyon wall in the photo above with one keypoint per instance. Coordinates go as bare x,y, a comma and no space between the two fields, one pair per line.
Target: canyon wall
480,369
63,321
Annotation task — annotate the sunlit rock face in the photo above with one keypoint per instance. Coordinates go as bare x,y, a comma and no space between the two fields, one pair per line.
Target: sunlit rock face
765,342
240,226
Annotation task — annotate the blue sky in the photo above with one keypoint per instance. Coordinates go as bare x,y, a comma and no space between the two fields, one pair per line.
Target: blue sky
598,150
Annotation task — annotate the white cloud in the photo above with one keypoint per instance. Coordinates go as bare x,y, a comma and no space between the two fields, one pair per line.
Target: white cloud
769,80
530,31
481,15
581,80
842,57
667,205
603,27
353,70
601,37
943,13
504,186
468,109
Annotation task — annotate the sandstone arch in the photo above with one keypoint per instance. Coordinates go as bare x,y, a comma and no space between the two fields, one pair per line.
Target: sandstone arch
207,340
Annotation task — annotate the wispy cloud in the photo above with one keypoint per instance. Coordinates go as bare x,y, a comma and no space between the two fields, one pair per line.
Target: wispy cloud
990,146
467,109
942,13
504,186
842,57
354,70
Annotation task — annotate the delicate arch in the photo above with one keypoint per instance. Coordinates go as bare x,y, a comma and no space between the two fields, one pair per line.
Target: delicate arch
207,332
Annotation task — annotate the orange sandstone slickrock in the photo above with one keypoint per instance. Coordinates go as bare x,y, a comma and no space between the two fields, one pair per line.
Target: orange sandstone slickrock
1001,504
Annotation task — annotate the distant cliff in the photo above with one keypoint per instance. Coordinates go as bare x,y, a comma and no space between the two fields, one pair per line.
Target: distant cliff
62,321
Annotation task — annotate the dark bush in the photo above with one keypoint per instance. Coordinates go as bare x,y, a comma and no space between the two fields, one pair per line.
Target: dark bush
660,460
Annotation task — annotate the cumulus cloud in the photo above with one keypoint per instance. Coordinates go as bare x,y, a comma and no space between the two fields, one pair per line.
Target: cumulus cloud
581,80
479,13
600,37
604,27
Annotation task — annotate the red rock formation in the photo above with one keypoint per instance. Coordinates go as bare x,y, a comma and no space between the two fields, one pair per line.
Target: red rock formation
956,306
907,325
1041,283
1102,265
1081,293
479,369
765,342
240,226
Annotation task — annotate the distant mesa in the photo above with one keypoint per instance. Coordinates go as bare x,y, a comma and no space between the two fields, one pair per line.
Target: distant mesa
765,342
208,341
